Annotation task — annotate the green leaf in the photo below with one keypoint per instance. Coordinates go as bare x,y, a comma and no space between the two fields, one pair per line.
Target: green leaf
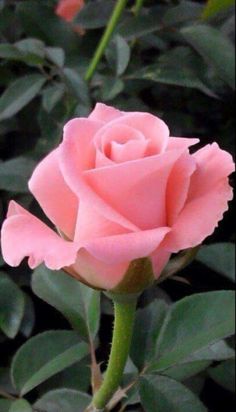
52,95
111,88
159,393
28,320
224,374
147,327
178,67
66,400
15,173
33,50
185,11
118,54
95,14
215,6
216,352
12,306
135,27
219,257
78,303
5,405
56,55
76,85
200,360
66,378
186,370
192,324
49,353
21,405
19,94
39,20
30,51
215,48
9,52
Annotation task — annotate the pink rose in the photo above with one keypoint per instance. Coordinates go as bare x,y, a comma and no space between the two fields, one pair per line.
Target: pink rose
118,188
68,9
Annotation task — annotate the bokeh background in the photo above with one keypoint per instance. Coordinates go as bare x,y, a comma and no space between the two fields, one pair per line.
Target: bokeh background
173,58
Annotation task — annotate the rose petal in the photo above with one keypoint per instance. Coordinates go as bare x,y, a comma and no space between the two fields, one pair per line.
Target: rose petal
58,202
178,186
199,218
160,259
126,247
72,173
140,188
181,142
68,9
152,128
212,165
82,131
104,113
91,224
97,273
23,235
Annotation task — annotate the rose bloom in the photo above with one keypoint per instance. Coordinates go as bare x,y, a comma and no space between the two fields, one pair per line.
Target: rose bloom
68,9
118,188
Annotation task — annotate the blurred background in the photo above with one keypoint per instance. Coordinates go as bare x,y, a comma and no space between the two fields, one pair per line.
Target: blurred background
173,58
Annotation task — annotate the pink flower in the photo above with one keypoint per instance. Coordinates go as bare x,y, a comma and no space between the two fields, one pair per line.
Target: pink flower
68,9
118,188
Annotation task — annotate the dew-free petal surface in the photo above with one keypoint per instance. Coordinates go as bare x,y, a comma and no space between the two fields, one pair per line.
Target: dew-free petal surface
23,235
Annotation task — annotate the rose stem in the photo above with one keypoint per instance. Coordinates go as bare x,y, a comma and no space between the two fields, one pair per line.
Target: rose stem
121,341
117,12
138,6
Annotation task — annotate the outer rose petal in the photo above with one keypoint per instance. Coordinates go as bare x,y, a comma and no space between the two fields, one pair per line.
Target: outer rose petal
24,235
58,202
199,218
212,165
79,133
181,143
159,260
178,186
207,200
126,247
104,113
92,225
98,273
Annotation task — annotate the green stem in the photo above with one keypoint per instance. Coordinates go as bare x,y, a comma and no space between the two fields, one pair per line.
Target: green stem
122,335
119,7
138,6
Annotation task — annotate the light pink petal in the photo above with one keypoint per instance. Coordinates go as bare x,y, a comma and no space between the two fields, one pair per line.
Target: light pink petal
181,142
132,150
98,273
160,258
81,132
58,202
23,235
91,224
213,164
121,143
71,170
178,186
104,113
152,128
126,247
136,189
102,160
199,218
